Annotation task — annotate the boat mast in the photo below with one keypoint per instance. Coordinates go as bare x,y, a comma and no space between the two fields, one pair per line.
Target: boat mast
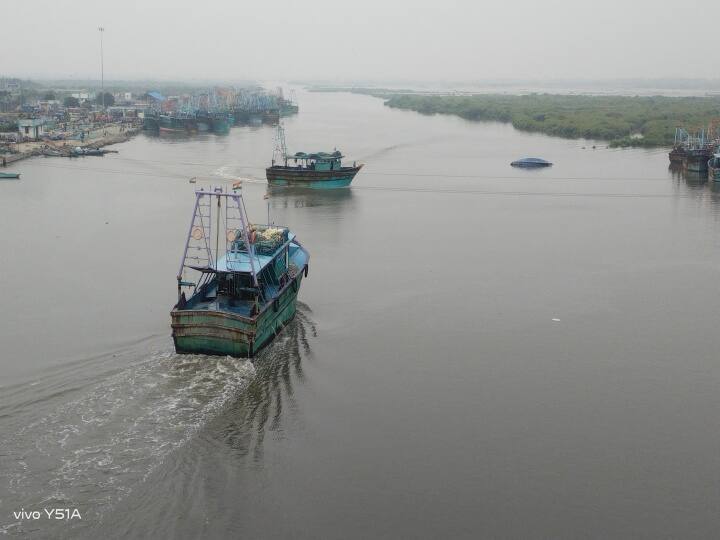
280,147
197,248
218,191
246,232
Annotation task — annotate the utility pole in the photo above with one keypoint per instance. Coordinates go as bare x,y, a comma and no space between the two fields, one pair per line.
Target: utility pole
102,68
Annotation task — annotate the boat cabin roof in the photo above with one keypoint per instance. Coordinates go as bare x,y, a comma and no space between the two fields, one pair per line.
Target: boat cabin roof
317,155
532,160
239,261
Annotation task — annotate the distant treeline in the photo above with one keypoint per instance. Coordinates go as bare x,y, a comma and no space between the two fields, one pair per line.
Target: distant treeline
621,120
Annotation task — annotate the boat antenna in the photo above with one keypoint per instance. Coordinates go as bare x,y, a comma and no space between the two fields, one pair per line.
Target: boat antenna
267,198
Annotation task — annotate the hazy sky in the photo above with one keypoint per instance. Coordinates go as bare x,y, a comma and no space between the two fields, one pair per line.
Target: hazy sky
363,39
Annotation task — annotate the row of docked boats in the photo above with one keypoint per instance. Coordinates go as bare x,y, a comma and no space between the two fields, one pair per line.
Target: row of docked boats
218,121
215,122
697,160
697,153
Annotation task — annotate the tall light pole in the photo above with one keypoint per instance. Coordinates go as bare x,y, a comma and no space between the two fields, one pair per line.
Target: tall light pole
102,68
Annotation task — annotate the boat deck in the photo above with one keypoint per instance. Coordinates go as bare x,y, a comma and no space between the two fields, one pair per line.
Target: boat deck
211,302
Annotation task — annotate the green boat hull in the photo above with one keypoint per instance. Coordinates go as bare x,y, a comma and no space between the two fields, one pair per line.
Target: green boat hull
221,125
151,123
228,334
278,175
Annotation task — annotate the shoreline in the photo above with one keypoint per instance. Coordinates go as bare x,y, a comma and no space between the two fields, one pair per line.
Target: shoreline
33,149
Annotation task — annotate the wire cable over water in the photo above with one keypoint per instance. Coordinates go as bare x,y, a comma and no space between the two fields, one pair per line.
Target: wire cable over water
407,189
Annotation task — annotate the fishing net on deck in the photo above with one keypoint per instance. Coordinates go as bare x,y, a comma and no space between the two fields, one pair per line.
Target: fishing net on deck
265,240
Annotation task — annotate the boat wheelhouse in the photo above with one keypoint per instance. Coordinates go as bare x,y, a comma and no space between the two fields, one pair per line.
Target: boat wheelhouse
319,170
245,279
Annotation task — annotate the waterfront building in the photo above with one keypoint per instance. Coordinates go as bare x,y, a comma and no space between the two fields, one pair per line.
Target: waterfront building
32,128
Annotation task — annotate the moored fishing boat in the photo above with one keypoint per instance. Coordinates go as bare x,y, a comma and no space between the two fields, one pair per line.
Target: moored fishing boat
288,108
151,121
713,165
202,121
176,123
320,170
8,175
240,116
221,123
677,155
271,116
245,289
692,151
696,159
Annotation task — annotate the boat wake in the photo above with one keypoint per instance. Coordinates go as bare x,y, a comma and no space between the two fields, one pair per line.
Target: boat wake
232,172
114,435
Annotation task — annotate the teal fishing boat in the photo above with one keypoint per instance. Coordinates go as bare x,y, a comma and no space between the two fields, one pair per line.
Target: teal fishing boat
176,123
245,279
713,165
221,123
288,108
320,170
8,175
151,120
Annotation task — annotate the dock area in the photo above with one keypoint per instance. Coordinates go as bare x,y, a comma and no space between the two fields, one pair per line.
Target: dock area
95,138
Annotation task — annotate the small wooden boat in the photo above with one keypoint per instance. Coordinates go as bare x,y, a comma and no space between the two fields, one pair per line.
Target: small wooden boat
8,175
531,162
81,151
246,279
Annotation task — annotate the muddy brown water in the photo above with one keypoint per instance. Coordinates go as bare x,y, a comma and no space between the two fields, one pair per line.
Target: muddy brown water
479,351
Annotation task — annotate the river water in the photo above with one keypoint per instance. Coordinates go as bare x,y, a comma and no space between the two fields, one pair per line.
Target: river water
479,351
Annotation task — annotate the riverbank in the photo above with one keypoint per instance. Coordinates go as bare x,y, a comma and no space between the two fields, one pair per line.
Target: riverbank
623,121
96,138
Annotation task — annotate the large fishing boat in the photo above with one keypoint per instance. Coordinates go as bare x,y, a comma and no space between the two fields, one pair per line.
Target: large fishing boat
245,279
288,106
151,121
692,151
320,170
176,123
221,122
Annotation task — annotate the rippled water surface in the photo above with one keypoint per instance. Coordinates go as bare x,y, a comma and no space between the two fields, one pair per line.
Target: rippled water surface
479,351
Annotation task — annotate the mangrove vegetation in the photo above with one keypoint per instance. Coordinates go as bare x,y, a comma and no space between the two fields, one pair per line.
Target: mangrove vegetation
621,120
